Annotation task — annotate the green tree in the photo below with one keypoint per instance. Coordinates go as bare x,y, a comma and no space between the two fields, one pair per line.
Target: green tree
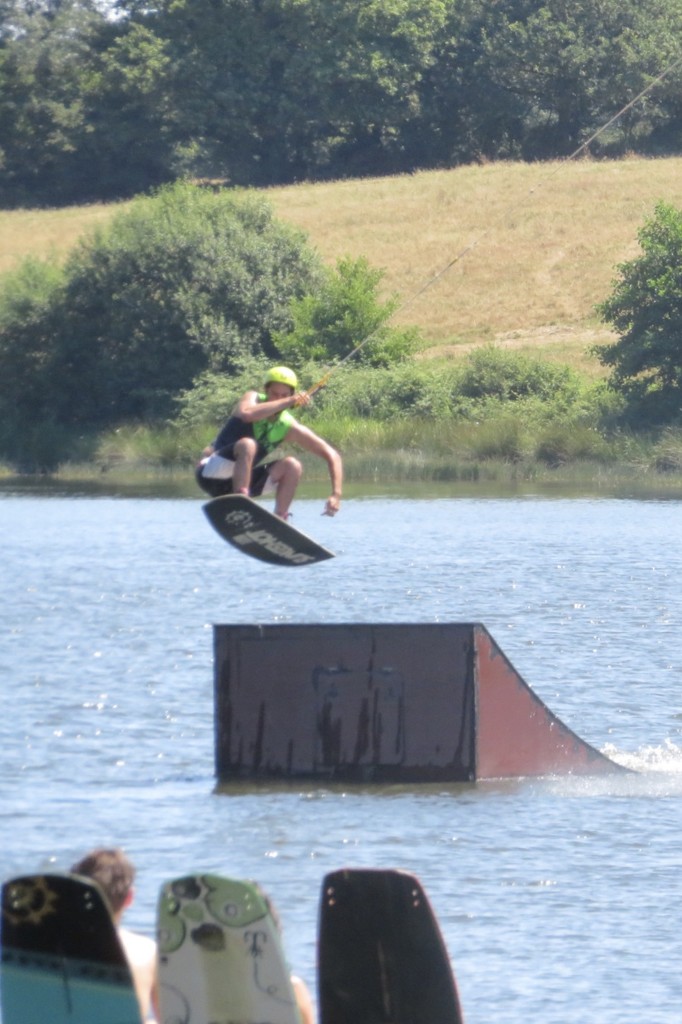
45,51
545,74
367,72
277,90
343,313
645,308
465,113
128,144
84,109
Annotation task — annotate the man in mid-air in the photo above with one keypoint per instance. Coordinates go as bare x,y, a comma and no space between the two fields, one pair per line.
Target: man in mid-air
261,421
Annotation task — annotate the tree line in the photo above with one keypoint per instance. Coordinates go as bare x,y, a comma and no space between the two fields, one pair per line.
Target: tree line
103,99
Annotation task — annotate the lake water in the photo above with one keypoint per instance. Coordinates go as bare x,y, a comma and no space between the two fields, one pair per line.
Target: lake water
559,899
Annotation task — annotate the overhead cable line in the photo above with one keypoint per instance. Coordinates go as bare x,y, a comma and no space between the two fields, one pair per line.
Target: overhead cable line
510,209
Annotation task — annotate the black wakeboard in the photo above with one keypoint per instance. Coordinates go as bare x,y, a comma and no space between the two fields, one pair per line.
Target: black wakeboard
381,956
62,960
251,528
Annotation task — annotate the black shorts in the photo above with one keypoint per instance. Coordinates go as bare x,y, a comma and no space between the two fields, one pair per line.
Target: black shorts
218,488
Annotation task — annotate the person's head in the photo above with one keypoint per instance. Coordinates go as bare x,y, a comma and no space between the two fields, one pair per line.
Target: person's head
113,872
280,382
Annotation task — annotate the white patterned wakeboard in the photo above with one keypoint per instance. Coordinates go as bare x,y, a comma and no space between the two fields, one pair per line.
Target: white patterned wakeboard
220,955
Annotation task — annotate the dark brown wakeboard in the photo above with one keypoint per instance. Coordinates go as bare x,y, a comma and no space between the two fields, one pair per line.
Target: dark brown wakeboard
381,956
251,528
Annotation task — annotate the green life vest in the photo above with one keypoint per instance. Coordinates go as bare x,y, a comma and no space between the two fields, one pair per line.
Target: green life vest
271,433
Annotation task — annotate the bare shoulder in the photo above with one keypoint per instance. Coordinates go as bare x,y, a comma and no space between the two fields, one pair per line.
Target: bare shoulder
139,949
303,1000
304,436
246,403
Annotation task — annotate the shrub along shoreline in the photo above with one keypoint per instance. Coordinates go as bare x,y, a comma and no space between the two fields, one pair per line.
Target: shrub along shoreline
489,457
495,418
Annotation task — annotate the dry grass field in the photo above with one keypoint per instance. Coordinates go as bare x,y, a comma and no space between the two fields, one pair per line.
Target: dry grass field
510,253
45,233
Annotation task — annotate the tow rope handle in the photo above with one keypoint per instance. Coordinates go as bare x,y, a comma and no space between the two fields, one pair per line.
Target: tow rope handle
313,390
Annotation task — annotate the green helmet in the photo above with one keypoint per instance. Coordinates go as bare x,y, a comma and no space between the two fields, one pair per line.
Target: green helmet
281,375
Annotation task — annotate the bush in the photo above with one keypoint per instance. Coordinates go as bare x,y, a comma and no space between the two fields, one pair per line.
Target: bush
667,455
407,390
495,373
569,442
502,438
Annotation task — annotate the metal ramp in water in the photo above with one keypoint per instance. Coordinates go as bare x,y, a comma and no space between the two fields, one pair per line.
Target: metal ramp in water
398,702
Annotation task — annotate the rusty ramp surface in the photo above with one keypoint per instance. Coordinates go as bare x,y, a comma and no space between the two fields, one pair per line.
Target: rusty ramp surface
404,702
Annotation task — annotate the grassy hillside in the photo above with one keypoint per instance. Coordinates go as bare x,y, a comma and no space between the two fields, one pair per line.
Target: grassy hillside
512,253
45,233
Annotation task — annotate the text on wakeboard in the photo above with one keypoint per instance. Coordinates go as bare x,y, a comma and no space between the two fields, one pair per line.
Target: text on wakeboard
264,539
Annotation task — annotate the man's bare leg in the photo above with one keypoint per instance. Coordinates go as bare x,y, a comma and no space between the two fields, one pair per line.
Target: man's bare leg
285,474
244,453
